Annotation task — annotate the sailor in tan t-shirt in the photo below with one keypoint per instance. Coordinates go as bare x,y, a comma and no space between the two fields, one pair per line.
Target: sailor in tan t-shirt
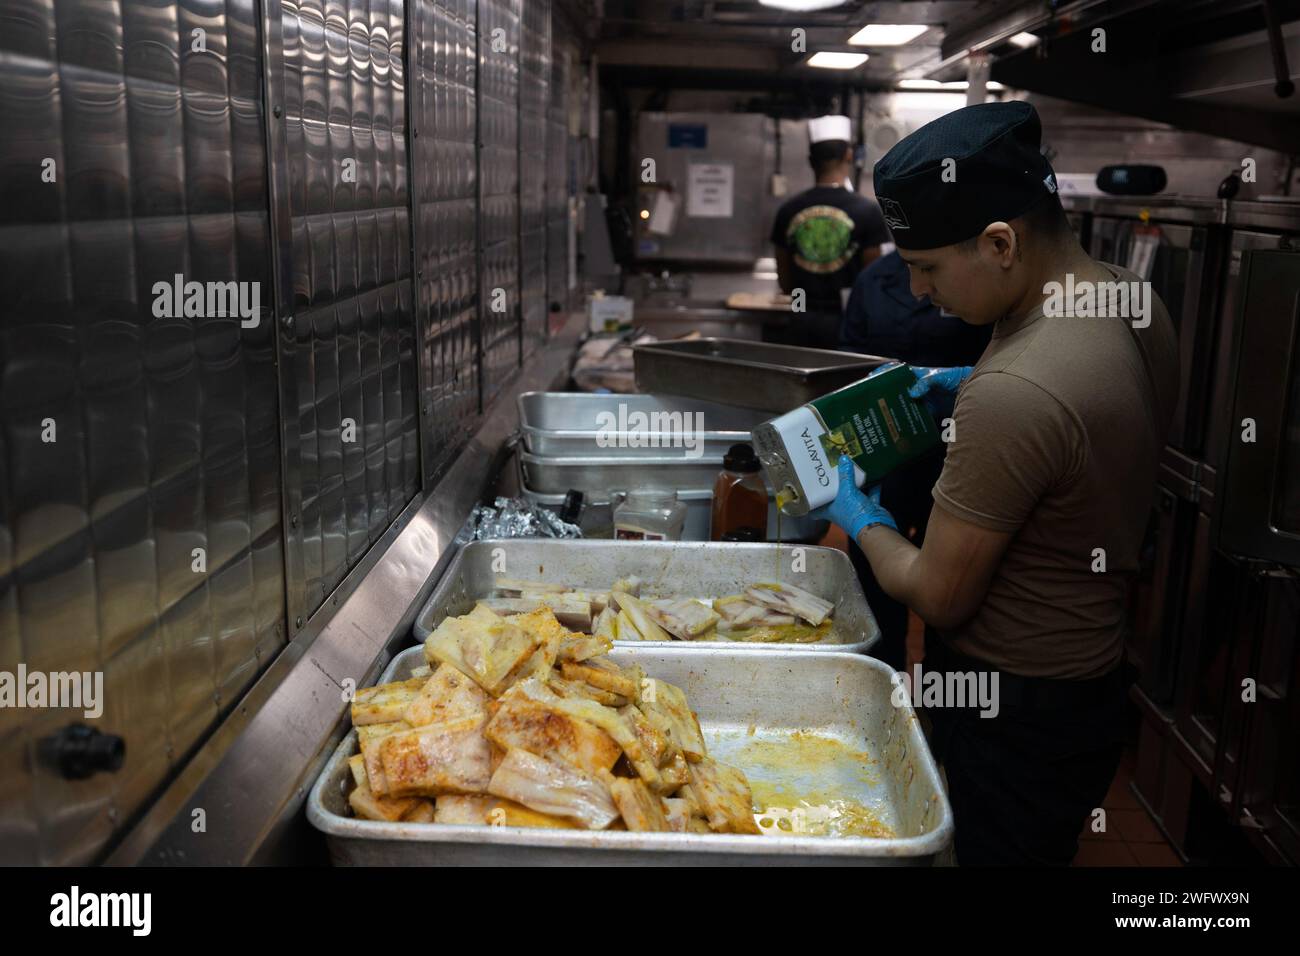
1043,500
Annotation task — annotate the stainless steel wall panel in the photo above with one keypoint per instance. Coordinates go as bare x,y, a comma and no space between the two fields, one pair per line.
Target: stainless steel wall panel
558,179
498,159
534,101
167,436
444,67
354,331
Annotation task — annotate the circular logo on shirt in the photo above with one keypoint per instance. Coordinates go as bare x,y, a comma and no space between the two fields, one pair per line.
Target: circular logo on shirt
821,239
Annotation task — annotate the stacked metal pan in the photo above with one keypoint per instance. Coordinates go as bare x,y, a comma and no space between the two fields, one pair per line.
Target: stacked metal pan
608,445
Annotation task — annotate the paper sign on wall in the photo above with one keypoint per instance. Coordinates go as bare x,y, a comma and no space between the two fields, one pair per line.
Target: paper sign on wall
710,191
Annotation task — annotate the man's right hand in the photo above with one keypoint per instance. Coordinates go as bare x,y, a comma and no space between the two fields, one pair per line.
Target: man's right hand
929,379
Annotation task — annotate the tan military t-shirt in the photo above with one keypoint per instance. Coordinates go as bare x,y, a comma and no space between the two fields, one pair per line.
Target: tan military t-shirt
1058,433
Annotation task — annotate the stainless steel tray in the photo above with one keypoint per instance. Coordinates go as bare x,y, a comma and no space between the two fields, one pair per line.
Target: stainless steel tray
775,378
604,474
668,569
567,424
842,696
598,516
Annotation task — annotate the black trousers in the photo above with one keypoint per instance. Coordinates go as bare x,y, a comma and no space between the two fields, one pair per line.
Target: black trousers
1024,783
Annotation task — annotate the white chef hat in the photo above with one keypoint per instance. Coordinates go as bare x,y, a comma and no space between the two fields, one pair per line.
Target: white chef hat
822,128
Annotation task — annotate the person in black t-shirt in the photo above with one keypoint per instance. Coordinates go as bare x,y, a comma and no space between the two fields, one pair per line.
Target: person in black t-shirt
824,236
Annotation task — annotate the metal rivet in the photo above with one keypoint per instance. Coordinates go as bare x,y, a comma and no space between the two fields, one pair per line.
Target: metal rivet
297,622
288,321
293,521
275,110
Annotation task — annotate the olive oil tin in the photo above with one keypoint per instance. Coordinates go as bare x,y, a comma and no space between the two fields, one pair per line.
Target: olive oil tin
873,420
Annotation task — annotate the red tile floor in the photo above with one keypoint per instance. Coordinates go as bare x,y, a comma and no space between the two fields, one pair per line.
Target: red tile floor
1131,837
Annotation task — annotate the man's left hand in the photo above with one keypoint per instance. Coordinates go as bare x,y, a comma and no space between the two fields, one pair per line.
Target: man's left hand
853,510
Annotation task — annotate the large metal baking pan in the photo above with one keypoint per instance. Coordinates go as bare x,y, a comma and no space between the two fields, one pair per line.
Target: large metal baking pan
598,516
666,568
600,475
843,696
774,378
568,424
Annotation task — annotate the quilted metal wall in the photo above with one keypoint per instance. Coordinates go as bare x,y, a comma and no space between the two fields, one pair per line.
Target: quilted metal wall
140,530
559,185
444,58
352,303
535,78
498,108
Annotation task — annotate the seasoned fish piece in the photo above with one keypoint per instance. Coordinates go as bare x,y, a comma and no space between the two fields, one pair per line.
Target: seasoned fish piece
738,612
723,794
664,704
451,757
357,765
421,814
368,739
653,741
377,808
579,649
597,599
540,729
576,689
674,774
602,673
447,695
640,809
389,809
571,613
796,601
507,813
554,788
482,646
628,585
466,810
625,628
640,616
542,624
605,627
384,703
607,719
686,619
679,813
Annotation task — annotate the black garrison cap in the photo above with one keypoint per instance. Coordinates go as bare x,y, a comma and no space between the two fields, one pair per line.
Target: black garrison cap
952,177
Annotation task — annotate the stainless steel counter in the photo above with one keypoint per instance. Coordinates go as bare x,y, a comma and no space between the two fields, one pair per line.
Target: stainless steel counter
251,777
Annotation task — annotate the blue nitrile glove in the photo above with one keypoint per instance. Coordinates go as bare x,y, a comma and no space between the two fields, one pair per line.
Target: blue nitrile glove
853,510
929,379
